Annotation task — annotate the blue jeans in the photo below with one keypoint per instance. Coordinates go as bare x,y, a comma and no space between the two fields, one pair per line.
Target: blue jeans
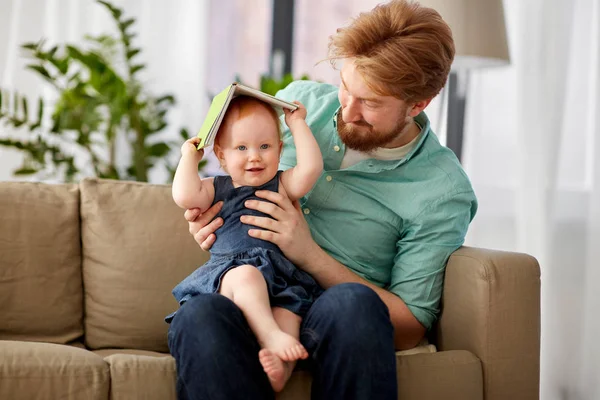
347,333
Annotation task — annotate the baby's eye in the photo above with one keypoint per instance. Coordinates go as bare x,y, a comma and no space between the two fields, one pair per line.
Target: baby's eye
264,146
241,148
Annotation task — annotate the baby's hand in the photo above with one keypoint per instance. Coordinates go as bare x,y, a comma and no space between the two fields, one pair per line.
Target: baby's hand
298,114
189,149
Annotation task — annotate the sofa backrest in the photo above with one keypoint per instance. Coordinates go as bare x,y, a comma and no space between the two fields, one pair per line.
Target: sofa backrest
136,247
40,263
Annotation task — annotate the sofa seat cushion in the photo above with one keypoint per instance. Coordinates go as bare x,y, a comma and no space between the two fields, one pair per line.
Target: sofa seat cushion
45,371
136,248
152,375
449,375
40,263
139,374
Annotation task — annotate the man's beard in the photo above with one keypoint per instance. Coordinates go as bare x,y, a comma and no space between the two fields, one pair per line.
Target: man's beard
361,136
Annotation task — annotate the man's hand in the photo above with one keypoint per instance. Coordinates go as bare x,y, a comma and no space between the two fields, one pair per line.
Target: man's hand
287,228
203,226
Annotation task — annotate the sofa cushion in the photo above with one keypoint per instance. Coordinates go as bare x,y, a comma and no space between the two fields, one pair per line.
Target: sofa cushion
40,263
297,388
140,374
45,371
449,375
136,248
151,375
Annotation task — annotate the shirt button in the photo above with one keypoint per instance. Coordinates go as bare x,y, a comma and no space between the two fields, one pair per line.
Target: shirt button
336,148
329,178
306,211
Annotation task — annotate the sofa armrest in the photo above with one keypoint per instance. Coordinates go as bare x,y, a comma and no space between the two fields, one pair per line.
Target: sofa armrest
491,307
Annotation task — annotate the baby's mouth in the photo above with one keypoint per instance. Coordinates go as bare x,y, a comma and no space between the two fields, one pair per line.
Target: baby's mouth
254,169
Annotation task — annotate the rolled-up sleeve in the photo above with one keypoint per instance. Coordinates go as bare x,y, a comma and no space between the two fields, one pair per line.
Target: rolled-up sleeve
423,251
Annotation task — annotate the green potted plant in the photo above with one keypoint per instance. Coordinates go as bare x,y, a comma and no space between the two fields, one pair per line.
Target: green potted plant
99,106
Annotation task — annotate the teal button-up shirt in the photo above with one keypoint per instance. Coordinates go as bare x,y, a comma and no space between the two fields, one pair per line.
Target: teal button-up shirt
394,223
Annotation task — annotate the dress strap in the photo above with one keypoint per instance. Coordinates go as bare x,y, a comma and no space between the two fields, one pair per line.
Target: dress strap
222,185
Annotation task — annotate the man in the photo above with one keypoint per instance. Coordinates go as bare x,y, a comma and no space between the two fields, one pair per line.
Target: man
375,232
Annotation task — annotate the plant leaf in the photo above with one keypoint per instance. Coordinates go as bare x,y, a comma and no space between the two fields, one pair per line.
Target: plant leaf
159,149
25,108
40,70
166,98
25,171
132,53
185,135
126,24
30,46
136,68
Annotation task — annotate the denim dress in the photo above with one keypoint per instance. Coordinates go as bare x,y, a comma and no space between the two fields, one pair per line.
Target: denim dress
288,287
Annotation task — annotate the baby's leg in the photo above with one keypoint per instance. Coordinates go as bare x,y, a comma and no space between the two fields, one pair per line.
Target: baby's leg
279,371
247,288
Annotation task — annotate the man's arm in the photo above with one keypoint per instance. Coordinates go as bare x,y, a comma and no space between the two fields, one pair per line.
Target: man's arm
328,272
288,230
417,275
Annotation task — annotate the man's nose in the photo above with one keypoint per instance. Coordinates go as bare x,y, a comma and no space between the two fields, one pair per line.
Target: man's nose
351,112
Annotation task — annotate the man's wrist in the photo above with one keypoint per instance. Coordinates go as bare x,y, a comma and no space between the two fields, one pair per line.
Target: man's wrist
312,255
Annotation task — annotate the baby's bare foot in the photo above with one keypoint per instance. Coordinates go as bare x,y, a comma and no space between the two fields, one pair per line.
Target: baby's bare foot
276,369
285,346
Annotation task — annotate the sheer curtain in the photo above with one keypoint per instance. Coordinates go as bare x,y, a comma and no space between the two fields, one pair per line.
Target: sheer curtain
173,37
534,158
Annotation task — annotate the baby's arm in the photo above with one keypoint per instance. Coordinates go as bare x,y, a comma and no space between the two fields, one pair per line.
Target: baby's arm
298,181
189,191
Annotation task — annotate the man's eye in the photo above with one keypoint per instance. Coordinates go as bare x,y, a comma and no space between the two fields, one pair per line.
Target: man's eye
241,148
264,146
369,104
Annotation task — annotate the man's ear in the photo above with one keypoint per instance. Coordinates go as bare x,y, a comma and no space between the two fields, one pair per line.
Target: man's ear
417,107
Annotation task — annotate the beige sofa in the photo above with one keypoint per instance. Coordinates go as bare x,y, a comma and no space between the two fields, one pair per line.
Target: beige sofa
85,277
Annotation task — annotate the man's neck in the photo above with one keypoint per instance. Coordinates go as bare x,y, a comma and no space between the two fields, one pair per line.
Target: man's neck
408,134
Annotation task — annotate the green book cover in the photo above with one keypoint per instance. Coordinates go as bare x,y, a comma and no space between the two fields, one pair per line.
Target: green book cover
220,102
214,117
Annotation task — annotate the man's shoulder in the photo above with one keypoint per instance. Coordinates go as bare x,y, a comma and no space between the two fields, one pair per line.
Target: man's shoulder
308,91
441,177
444,165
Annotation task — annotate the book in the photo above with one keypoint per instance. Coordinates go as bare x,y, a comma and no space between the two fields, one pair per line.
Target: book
220,103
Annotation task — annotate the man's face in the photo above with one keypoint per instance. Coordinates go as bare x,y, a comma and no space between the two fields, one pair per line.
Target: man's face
368,120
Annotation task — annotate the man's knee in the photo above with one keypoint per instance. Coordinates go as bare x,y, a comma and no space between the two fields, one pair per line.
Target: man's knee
351,315
353,300
201,308
199,319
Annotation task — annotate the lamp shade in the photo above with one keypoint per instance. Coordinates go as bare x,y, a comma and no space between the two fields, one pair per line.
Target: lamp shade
479,31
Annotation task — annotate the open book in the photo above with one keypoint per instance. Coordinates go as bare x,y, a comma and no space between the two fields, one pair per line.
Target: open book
219,105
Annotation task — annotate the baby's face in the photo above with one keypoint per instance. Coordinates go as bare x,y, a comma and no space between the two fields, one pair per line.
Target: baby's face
249,148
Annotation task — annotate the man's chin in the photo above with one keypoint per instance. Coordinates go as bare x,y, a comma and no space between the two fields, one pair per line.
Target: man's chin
358,145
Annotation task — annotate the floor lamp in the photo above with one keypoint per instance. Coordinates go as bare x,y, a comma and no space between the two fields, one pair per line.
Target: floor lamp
480,37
